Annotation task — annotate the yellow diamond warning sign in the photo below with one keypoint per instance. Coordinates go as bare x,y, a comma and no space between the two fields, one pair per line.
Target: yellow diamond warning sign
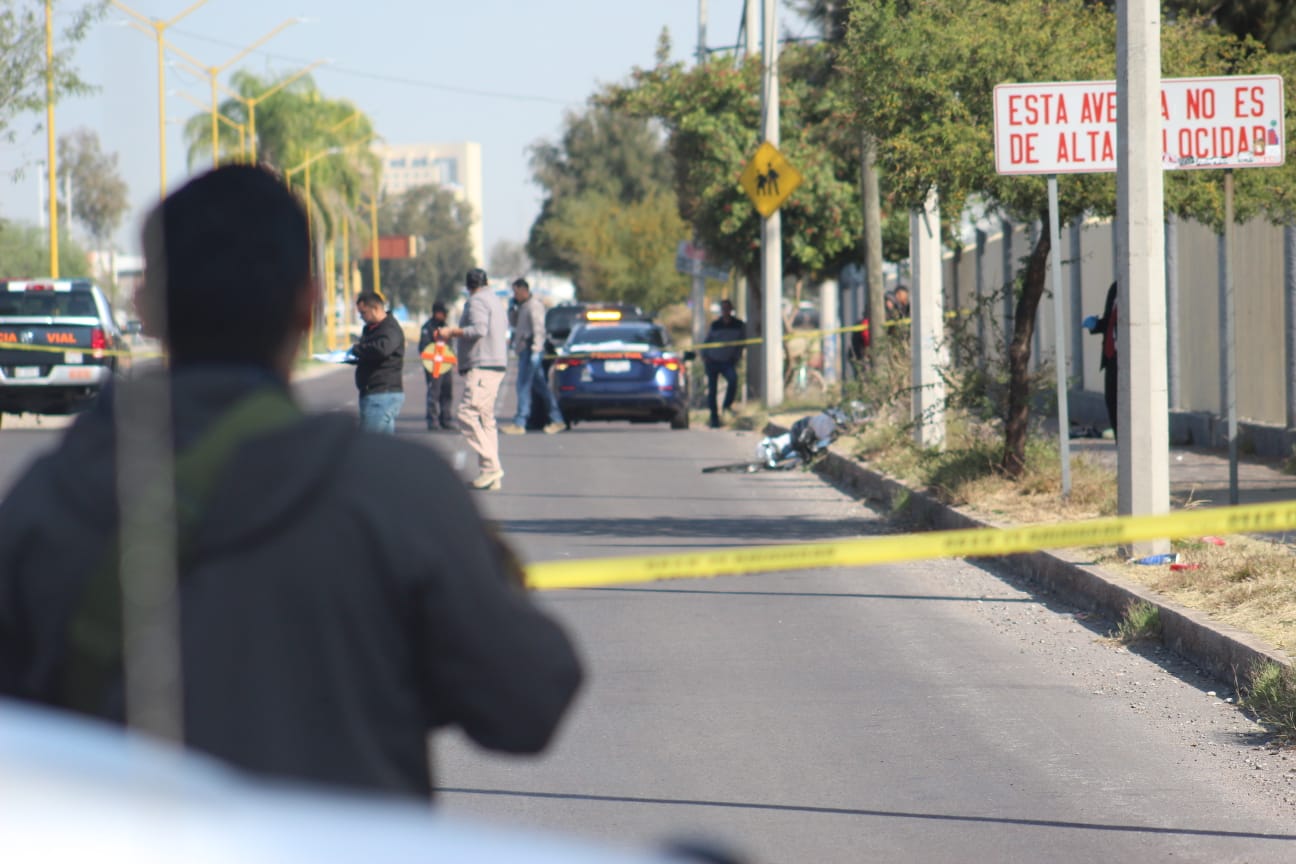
769,179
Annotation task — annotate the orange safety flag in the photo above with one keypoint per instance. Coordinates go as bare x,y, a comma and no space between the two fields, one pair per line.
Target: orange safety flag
438,359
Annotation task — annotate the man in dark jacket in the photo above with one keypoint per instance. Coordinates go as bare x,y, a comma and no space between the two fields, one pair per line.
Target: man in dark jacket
300,599
440,388
380,360
722,360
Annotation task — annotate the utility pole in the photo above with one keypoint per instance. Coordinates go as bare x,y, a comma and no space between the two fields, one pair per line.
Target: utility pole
1143,469
50,141
771,228
743,289
697,297
927,324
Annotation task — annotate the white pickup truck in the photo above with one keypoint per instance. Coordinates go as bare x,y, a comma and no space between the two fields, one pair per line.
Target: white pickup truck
59,345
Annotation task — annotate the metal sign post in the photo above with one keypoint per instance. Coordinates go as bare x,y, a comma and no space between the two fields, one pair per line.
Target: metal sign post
1229,337
1059,325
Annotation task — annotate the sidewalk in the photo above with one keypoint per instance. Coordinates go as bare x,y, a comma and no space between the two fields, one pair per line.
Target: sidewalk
1199,477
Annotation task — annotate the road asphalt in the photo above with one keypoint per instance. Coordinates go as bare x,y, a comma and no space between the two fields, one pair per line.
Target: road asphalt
932,711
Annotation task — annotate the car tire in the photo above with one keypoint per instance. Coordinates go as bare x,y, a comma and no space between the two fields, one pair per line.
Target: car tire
680,419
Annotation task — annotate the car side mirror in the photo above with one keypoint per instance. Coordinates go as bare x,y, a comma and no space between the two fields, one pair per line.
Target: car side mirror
690,355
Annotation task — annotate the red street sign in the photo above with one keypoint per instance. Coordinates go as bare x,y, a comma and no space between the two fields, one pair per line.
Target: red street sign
1070,127
396,247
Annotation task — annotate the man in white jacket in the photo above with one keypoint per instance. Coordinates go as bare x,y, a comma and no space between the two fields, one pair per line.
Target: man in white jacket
528,345
483,357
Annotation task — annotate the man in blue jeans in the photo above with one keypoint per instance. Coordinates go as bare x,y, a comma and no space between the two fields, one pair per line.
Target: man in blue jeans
528,345
380,360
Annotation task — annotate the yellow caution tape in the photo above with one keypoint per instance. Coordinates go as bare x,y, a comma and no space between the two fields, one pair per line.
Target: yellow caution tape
975,542
70,349
811,334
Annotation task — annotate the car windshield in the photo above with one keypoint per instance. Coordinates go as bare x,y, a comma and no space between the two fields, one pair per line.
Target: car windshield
560,319
595,337
47,304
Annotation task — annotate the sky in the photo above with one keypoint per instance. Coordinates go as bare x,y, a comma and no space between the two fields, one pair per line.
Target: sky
499,72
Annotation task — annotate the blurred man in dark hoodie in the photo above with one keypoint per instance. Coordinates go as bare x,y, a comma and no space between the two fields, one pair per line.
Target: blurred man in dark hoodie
329,611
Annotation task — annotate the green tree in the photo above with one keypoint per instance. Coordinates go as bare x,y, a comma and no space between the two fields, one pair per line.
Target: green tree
22,57
924,75
293,125
622,251
98,190
24,249
440,222
601,153
712,116
1270,22
885,226
508,259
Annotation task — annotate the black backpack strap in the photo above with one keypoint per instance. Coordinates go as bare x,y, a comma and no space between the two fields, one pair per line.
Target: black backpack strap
92,663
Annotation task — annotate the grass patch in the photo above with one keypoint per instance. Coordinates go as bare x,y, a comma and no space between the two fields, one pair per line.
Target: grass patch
1270,694
966,473
1248,583
1141,623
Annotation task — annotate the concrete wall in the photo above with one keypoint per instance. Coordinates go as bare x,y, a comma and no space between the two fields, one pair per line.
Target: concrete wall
987,264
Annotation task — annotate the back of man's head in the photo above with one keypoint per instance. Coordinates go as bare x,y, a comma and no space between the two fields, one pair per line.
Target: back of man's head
227,259
476,279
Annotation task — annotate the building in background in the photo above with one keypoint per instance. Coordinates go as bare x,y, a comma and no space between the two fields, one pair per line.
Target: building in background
456,166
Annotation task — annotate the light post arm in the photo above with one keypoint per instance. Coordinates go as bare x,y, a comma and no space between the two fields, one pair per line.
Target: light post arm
159,29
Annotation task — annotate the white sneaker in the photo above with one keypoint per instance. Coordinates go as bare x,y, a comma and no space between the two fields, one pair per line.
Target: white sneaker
488,480
554,428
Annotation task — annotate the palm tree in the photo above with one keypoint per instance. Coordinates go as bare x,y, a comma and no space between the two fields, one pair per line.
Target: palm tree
296,125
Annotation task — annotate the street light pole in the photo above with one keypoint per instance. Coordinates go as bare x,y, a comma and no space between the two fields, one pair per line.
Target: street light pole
159,28
698,293
772,227
346,265
49,135
373,243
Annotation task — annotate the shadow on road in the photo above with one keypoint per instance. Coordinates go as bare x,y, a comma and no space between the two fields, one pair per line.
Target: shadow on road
883,814
786,528
825,594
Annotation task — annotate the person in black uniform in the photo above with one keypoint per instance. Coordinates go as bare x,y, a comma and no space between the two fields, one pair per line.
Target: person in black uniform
440,389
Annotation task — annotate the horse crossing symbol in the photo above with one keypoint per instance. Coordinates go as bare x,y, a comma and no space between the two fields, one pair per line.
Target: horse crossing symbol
769,179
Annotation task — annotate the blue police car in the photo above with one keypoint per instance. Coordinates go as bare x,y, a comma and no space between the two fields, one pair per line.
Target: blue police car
612,368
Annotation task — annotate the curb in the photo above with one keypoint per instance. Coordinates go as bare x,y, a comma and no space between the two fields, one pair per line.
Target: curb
1225,652
316,370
